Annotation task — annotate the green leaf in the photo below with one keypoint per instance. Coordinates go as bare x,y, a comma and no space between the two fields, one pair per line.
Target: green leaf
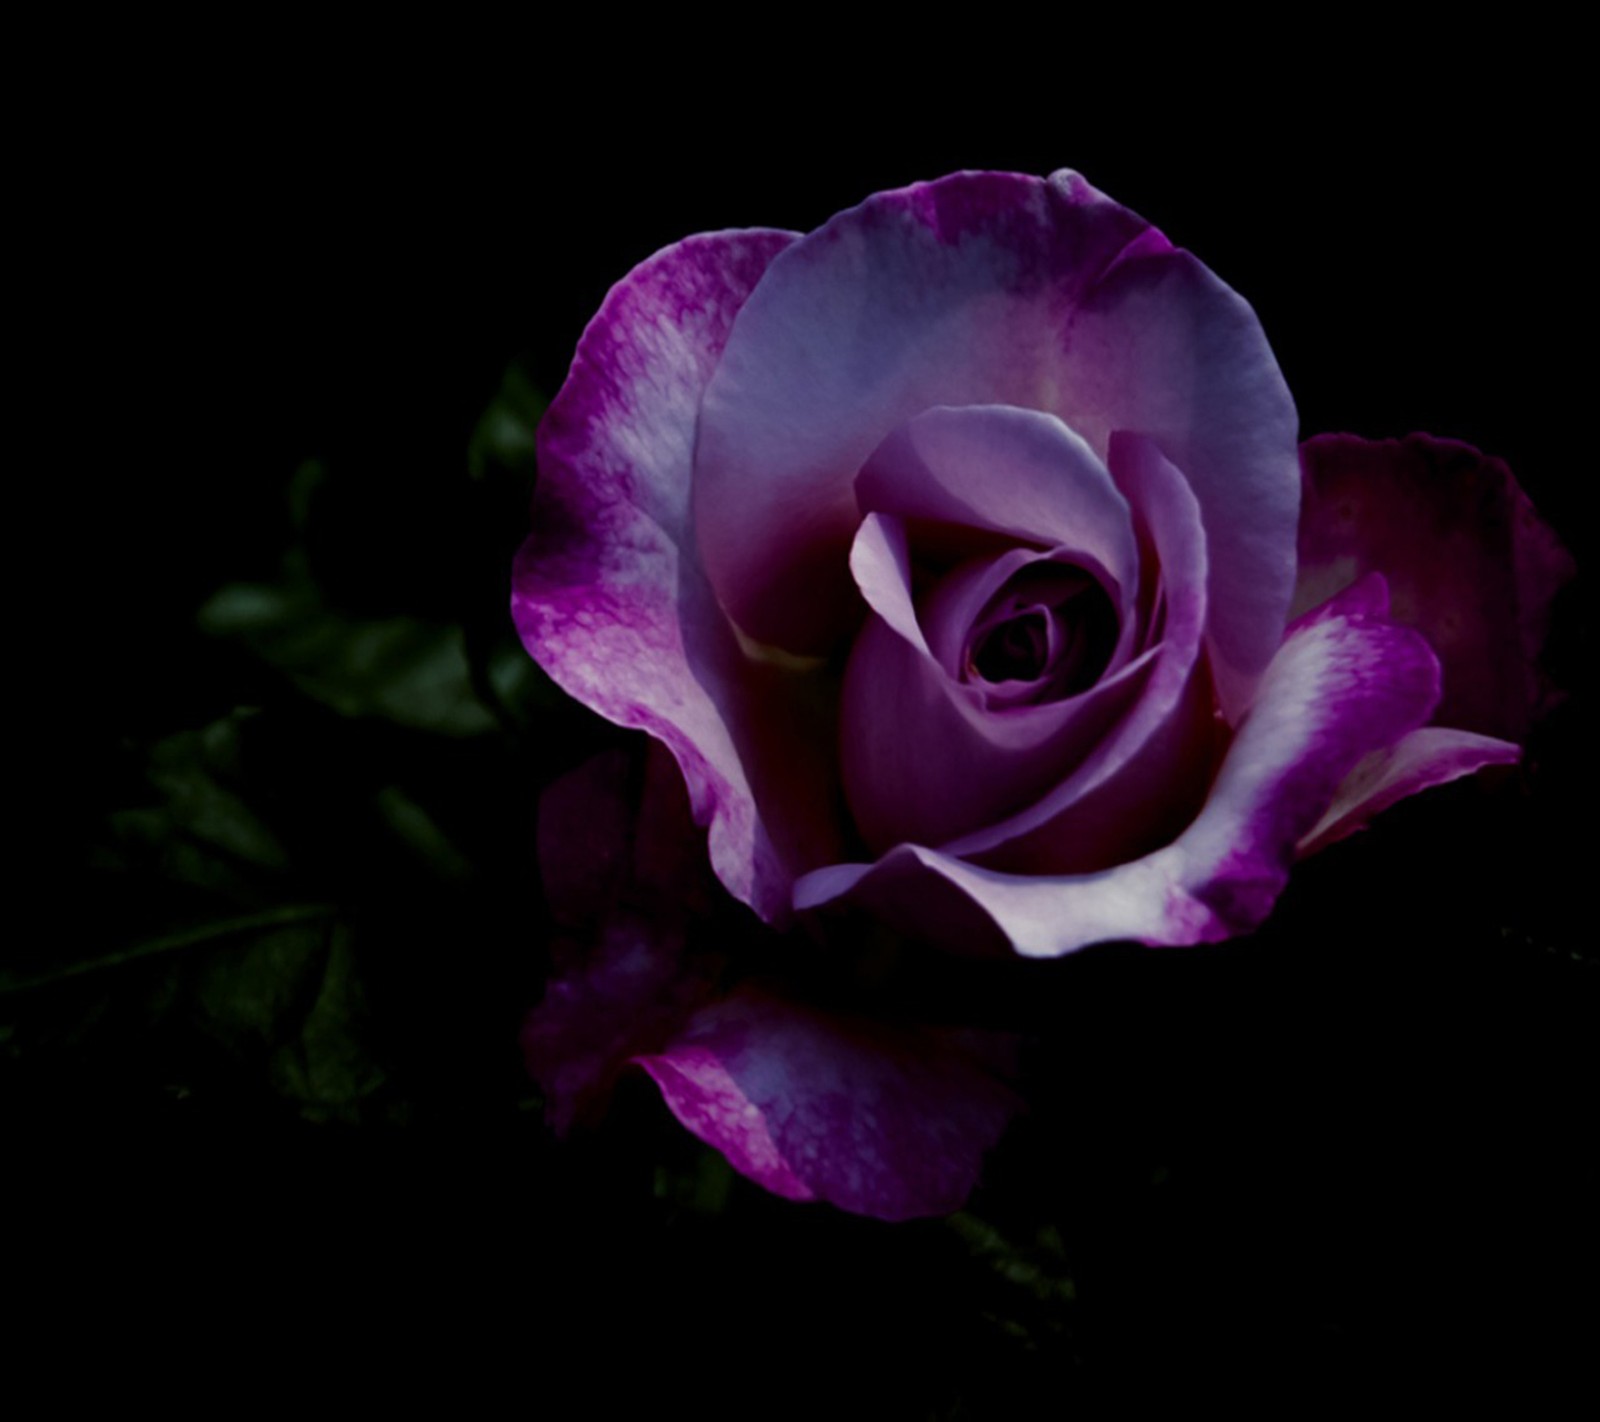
200,923
1033,1293
420,833
402,669
202,935
412,671
504,436
291,1001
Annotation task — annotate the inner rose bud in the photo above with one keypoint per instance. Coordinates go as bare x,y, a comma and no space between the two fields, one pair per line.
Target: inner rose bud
1016,648
1051,629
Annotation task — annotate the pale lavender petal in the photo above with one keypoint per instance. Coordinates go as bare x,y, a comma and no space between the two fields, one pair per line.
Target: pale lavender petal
1469,563
999,289
876,1119
608,593
1021,473
1432,756
1165,351
1346,683
880,562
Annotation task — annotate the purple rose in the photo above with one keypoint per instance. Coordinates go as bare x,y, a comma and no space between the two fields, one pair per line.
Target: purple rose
962,555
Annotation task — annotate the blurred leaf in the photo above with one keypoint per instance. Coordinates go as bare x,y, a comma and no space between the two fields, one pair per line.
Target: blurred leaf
702,1187
408,670
292,1000
519,682
420,833
201,936
1033,1289
198,832
500,457
401,669
198,923
505,433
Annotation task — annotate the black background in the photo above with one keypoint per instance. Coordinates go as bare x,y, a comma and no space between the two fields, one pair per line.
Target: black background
1355,1140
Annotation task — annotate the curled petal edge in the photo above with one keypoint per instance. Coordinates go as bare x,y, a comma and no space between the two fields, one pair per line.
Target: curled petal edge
1433,755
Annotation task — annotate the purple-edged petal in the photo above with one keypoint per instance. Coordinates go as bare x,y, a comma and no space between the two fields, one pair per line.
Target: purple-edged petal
988,288
1347,682
876,1119
608,593
1432,756
1469,563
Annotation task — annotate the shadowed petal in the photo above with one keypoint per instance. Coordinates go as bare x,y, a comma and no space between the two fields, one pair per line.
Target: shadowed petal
623,869
1469,563
876,1119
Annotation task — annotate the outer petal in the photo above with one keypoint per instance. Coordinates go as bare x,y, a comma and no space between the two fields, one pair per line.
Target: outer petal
608,594
888,1120
988,288
1346,683
879,1120
1468,561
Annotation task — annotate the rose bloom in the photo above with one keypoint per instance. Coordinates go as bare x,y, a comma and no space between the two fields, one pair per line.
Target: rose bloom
962,556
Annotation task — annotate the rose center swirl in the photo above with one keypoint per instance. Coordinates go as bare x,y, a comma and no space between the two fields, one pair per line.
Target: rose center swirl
1051,627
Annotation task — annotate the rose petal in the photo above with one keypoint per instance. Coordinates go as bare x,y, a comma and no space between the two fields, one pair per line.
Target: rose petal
620,824
1021,473
1432,756
1469,563
880,562
880,1120
988,288
623,871
1346,682
608,595
624,988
